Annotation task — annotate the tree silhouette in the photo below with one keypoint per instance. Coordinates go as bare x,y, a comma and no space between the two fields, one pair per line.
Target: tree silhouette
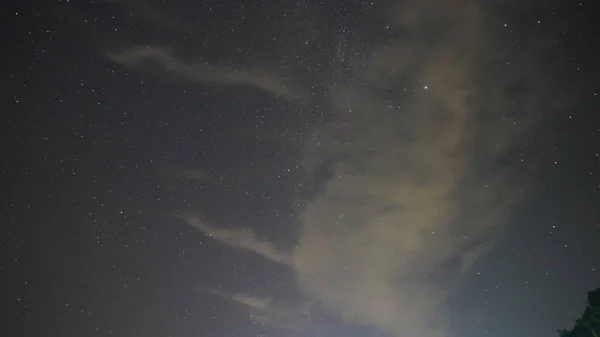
588,324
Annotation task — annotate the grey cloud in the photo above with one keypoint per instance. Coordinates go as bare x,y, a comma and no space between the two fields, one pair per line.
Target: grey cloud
411,204
203,72
409,183
240,239
187,174
265,311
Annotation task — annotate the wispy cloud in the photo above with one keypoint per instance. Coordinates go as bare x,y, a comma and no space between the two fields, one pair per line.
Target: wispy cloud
202,72
241,239
417,193
265,311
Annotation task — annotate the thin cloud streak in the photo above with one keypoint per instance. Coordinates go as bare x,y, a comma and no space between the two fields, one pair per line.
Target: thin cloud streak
137,56
265,311
241,239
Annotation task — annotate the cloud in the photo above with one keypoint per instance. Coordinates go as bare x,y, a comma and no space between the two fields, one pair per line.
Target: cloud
241,239
203,72
417,192
187,174
265,311
411,205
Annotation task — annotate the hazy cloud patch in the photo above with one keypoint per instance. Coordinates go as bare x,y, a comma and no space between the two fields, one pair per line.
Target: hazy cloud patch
202,72
265,311
243,238
416,193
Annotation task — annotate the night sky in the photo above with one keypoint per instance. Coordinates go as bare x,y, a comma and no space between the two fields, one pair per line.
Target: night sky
347,168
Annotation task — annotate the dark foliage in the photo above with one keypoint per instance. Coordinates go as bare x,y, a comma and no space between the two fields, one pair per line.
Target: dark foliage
588,324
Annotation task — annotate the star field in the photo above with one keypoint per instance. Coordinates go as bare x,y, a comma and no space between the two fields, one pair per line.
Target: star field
298,168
